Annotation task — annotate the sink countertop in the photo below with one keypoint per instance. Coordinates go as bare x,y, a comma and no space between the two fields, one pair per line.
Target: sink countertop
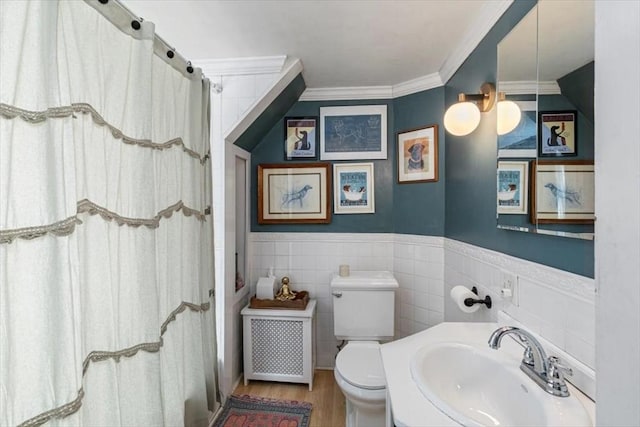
410,407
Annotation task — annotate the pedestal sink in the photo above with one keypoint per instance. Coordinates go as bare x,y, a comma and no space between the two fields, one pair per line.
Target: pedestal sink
478,386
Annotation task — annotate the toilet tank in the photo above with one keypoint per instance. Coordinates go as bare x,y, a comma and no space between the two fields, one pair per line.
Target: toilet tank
363,305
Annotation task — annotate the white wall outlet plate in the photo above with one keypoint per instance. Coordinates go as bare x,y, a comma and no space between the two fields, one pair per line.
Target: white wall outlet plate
509,283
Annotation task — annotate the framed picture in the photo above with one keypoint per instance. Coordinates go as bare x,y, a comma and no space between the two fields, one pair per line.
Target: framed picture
562,191
353,191
521,142
418,155
294,193
513,185
557,133
354,132
300,138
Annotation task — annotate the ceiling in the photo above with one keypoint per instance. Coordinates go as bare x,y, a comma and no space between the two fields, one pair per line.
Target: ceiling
348,43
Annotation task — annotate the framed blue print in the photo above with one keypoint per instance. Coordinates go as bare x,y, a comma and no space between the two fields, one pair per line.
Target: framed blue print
353,191
353,132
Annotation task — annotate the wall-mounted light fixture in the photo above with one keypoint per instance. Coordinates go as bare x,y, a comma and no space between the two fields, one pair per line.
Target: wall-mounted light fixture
509,114
463,117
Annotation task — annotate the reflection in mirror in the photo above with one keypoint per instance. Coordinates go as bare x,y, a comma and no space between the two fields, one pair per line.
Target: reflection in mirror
241,222
545,165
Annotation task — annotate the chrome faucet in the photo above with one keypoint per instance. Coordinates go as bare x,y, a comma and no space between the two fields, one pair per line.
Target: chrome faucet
547,372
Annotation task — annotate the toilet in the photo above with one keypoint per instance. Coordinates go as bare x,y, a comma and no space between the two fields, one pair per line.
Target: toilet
363,315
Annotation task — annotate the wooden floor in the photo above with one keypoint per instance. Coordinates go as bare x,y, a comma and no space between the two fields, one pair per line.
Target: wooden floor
326,397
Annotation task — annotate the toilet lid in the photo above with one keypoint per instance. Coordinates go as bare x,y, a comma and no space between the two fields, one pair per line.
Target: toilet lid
360,364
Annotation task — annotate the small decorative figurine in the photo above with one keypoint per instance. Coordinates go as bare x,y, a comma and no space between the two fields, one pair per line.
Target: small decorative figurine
285,294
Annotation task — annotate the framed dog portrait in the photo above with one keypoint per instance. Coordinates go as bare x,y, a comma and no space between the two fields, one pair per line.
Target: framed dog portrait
557,133
300,138
418,155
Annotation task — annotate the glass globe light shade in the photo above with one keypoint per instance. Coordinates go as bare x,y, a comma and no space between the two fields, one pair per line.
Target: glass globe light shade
462,118
508,116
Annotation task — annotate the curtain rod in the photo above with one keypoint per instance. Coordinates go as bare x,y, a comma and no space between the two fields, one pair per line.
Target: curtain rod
129,23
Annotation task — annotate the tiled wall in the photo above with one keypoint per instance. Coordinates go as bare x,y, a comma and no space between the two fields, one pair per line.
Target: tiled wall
311,259
555,304
418,264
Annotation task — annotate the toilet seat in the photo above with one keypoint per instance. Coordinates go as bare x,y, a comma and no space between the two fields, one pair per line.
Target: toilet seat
360,364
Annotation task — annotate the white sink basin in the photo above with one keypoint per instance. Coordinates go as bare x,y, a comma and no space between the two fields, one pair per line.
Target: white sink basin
478,386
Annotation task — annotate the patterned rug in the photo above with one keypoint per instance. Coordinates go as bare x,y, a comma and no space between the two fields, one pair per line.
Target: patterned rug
254,411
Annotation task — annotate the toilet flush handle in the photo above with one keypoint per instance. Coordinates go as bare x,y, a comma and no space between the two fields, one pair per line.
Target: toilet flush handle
337,294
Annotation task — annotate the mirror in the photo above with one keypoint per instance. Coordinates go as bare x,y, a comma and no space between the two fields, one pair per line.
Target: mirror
241,222
545,165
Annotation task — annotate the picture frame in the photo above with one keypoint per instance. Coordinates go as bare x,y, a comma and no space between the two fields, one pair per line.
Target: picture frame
562,192
557,133
418,155
354,191
513,187
353,132
521,142
301,138
297,193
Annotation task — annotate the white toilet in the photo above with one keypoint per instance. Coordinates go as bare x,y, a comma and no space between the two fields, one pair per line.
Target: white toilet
363,313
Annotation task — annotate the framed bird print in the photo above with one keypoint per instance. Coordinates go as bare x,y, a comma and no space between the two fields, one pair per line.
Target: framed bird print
562,192
294,193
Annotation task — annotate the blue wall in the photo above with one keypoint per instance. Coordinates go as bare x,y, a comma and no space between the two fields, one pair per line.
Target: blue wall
467,211
271,150
471,171
419,207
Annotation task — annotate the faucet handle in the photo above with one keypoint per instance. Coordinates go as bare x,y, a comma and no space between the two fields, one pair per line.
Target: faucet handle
527,357
557,370
555,377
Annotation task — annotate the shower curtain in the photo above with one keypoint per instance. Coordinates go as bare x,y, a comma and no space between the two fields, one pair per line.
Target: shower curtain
106,260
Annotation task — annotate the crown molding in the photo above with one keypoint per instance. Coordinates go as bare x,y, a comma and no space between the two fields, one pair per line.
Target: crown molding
487,18
548,88
347,93
372,92
292,68
242,66
417,85
529,87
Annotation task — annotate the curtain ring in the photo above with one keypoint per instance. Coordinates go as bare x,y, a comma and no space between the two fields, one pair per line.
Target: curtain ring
135,24
189,67
104,1
170,54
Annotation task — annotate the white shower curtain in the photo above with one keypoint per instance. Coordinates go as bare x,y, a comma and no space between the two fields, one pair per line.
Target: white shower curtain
106,260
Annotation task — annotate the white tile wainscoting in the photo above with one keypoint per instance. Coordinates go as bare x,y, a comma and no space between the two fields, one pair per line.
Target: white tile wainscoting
311,259
555,304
